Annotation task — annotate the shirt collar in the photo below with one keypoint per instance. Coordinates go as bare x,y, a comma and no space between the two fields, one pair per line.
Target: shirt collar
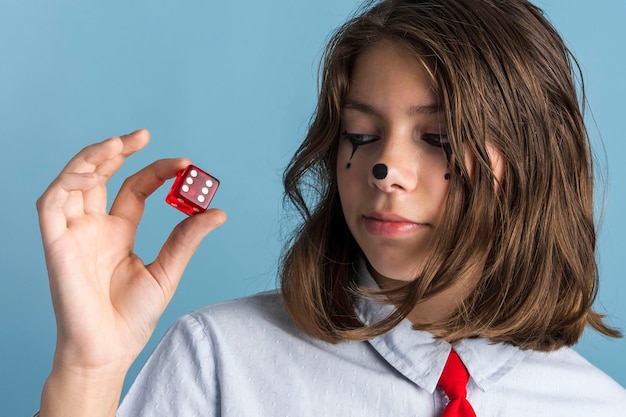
420,357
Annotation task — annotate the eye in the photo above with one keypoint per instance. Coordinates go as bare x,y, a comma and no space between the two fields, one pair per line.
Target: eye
439,140
359,139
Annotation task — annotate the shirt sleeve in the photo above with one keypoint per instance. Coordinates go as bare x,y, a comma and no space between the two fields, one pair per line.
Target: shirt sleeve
179,378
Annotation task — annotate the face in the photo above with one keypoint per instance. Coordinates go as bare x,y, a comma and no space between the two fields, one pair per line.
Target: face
392,117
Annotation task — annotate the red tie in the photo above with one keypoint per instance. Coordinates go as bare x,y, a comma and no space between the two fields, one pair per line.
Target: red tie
453,381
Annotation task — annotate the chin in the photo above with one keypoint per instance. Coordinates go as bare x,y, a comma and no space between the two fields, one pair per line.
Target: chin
392,271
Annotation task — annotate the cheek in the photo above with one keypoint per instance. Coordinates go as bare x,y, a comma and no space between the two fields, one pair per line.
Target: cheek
342,166
498,163
349,159
434,193
346,184
341,174
345,154
351,181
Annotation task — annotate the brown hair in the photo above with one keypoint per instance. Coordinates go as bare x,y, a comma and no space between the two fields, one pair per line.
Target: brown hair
503,76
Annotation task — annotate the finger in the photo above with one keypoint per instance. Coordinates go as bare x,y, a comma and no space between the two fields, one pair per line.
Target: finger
175,254
130,200
132,143
106,164
65,197
107,156
52,205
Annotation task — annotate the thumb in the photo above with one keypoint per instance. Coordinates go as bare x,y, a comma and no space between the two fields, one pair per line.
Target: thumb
181,244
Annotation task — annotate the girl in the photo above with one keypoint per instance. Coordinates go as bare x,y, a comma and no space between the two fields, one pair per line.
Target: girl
446,188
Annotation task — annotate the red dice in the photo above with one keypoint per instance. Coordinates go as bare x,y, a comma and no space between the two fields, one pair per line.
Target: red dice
192,191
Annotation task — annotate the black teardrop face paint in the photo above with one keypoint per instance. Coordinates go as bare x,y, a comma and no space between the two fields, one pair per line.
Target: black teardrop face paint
356,140
355,146
447,176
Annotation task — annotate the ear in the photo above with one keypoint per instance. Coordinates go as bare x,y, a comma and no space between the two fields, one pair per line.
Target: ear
498,163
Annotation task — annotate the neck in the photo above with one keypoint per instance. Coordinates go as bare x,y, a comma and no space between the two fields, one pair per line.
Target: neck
434,309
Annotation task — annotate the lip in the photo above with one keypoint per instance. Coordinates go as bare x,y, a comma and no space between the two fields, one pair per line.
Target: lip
390,224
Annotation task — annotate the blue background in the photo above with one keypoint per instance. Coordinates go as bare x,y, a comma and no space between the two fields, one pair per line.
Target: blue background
231,85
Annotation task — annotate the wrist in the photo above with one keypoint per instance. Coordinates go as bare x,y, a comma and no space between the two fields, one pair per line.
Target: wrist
72,392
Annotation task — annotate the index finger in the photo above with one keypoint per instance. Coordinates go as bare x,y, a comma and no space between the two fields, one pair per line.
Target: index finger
106,157
130,200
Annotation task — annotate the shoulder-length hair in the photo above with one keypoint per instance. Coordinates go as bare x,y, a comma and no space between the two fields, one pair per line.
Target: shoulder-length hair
503,76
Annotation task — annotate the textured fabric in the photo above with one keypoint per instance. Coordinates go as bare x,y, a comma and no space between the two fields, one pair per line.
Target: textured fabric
246,358
453,381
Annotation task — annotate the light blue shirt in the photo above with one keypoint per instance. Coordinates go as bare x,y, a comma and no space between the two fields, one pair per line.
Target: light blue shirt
245,358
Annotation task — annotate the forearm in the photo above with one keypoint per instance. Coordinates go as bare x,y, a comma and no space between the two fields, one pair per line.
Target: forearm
69,393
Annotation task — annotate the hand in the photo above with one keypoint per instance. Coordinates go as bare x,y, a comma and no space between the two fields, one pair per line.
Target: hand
106,300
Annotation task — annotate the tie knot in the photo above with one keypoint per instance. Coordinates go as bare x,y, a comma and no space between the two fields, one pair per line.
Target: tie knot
454,377
453,381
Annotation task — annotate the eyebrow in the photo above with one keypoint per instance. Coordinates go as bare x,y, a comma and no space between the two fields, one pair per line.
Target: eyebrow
413,110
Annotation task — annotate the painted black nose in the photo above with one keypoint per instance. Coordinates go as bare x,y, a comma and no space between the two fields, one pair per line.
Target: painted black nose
379,171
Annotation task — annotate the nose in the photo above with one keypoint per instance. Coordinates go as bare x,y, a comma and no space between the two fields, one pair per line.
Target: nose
396,168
